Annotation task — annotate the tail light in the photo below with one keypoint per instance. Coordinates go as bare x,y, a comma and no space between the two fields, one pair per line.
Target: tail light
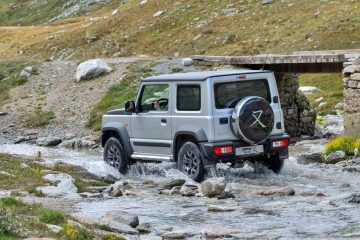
280,143
223,150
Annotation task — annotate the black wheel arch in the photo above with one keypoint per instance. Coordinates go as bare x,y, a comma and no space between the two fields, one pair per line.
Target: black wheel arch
119,133
184,136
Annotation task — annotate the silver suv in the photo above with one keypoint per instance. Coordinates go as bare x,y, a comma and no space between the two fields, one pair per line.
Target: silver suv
199,119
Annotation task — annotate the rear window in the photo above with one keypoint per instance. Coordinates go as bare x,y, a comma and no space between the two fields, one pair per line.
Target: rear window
228,94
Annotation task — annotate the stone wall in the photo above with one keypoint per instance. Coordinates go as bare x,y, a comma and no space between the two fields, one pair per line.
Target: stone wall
352,98
298,116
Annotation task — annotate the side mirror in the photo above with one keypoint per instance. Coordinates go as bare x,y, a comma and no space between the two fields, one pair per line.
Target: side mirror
130,106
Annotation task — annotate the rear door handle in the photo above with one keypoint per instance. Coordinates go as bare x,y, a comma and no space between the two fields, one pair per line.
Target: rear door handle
163,120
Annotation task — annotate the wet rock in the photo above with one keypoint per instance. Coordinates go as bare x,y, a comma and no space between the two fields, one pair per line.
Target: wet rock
144,228
91,195
3,114
122,228
345,185
226,195
110,179
307,158
77,143
335,157
64,185
31,132
91,69
181,234
116,192
217,208
172,183
355,198
48,141
278,192
18,140
320,194
189,190
97,189
121,217
219,232
327,202
213,186
130,193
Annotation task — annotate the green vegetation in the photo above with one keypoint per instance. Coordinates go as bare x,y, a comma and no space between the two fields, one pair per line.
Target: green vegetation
19,178
332,90
9,78
52,217
120,93
343,143
39,118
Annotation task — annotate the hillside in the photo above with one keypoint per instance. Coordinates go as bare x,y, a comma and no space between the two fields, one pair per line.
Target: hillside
123,28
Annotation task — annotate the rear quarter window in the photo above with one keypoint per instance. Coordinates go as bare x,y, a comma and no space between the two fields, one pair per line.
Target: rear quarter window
228,94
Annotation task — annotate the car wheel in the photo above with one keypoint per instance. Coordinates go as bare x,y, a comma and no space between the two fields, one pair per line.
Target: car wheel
190,161
274,163
114,154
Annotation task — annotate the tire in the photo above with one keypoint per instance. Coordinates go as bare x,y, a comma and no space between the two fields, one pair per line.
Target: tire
274,163
190,161
115,155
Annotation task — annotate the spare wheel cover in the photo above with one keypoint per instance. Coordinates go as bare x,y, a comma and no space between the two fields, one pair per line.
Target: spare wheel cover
253,119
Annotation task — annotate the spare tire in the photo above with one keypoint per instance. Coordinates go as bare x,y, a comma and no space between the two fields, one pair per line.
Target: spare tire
253,119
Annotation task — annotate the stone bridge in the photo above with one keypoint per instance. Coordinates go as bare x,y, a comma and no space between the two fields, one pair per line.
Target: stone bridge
299,117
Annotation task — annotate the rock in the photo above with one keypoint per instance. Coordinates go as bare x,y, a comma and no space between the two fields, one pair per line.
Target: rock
116,193
350,70
23,165
130,193
188,190
187,62
110,179
114,12
355,76
279,192
323,105
352,84
216,208
335,157
3,113
19,140
121,217
48,141
180,234
355,198
91,195
213,186
122,228
226,195
159,13
345,185
77,143
143,2
267,1
64,185
31,132
218,232
319,100
327,202
339,106
91,69
76,224
6,174
309,89
144,228
54,228
26,72
172,183
307,158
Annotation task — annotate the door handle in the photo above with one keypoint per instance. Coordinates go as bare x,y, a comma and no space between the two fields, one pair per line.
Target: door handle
163,120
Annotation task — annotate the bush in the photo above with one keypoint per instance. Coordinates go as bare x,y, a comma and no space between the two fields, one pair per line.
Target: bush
9,225
72,232
11,202
39,119
52,217
344,143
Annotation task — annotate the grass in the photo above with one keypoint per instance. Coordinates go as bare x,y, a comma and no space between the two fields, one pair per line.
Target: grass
188,27
9,78
53,217
331,87
120,93
39,118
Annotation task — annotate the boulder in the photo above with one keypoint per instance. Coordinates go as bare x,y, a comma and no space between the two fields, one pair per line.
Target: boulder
339,106
159,13
335,157
121,217
355,76
91,69
54,228
48,141
144,228
119,227
187,62
217,208
26,72
64,185
78,143
279,192
226,195
213,187
109,178
355,198
307,158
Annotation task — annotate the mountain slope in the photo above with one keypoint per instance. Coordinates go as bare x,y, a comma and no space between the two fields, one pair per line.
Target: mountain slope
190,27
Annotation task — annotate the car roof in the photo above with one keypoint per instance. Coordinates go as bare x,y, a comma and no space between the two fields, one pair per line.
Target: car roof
199,76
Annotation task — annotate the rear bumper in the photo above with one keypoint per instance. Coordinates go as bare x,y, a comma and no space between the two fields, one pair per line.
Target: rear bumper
208,149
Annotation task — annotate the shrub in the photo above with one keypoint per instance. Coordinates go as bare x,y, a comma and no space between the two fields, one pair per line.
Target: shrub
52,217
11,202
39,118
72,232
344,143
9,225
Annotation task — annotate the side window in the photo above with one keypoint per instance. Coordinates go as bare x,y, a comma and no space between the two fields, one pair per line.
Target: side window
154,98
188,98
